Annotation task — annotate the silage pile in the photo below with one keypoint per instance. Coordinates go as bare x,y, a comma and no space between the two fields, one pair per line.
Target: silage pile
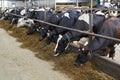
63,63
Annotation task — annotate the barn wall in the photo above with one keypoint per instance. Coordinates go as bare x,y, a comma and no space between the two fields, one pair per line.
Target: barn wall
50,3
10,3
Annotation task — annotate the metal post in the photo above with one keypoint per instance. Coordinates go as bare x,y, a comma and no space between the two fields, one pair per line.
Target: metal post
76,3
25,6
55,5
45,10
1,4
91,20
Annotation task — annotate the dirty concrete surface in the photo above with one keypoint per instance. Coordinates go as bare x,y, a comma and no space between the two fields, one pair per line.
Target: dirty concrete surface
21,64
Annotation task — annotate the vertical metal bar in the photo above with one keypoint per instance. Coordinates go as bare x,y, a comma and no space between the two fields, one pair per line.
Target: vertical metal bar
91,20
45,10
55,5
76,3
1,3
25,6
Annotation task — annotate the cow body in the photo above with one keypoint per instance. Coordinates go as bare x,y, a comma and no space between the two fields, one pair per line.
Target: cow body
111,28
81,24
53,19
39,14
68,19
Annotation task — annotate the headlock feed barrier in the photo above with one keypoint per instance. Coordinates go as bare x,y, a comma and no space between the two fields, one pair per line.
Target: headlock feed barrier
112,68
80,31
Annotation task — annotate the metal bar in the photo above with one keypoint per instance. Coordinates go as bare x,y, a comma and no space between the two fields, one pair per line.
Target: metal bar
80,31
77,3
45,10
111,9
55,5
91,21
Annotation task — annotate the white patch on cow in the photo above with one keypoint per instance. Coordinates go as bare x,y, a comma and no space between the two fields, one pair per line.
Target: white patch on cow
84,17
48,34
9,10
84,41
67,15
59,38
99,13
22,22
40,9
23,12
57,16
114,13
31,9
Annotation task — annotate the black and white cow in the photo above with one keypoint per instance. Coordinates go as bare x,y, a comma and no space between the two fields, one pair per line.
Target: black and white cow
53,19
111,28
68,19
81,24
6,16
12,18
25,21
18,11
38,14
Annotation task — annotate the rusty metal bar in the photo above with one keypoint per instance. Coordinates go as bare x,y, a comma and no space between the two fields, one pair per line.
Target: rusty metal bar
80,31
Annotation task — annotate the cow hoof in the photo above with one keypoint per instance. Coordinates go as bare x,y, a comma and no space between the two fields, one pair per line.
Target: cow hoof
56,54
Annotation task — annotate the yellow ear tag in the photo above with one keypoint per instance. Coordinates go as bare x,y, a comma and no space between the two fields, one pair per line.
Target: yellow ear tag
89,52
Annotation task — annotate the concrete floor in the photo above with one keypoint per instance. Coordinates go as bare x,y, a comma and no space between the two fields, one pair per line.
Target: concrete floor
21,64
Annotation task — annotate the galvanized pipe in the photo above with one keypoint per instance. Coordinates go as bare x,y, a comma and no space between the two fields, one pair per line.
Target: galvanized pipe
111,9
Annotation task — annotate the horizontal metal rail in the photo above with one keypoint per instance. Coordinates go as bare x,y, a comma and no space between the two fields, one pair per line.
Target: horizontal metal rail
80,31
110,9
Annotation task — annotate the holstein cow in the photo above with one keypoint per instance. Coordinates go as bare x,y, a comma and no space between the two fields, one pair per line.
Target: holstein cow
25,21
6,16
39,14
111,28
68,19
18,11
53,19
81,24
13,19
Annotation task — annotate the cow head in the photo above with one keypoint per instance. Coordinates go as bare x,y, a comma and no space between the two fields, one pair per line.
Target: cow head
51,37
61,45
31,29
82,57
43,32
25,22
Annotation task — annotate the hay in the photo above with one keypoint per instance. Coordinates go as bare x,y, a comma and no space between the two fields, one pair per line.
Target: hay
63,63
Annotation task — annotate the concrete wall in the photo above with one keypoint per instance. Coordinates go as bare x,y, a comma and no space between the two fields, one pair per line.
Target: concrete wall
12,4
50,3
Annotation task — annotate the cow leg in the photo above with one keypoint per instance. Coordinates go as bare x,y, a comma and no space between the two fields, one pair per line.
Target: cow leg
112,53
